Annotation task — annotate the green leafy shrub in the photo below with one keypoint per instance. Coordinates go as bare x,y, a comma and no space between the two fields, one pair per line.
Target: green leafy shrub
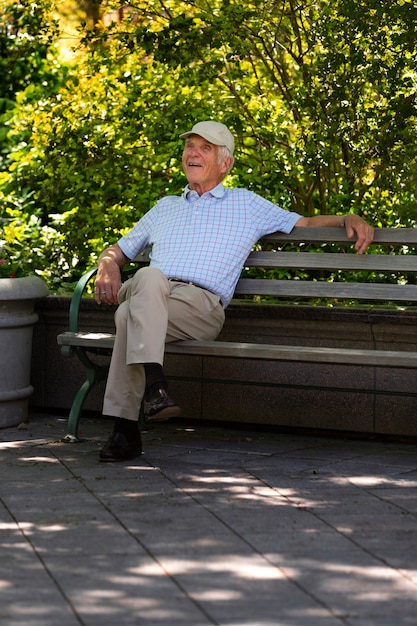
320,96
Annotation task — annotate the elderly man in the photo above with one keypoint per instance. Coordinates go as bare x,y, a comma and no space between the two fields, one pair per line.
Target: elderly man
200,241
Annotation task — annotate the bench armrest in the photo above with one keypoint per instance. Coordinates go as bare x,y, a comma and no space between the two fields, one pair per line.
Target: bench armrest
76,299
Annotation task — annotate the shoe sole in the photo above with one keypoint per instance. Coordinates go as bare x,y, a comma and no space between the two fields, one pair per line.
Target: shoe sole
164,414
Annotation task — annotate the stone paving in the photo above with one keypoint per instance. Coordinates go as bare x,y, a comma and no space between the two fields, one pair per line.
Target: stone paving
211,525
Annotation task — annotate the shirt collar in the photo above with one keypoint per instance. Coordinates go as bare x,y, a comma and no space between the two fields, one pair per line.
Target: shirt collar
216,192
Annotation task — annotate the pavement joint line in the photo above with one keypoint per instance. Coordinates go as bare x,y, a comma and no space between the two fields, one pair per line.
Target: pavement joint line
365,495
169,576
44,564
284,573
384,562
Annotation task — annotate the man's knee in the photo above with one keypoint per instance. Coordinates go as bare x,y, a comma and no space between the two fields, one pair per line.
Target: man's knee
148,276
145,278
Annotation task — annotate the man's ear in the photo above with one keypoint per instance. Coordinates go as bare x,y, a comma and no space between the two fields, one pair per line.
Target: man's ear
226,165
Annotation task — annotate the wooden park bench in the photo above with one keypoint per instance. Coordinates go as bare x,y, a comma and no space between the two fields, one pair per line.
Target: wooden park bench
315,265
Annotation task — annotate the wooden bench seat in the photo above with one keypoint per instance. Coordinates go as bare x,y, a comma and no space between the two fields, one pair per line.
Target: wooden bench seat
311,274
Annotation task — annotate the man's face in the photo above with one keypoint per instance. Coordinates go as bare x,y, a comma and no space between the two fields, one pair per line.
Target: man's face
200,164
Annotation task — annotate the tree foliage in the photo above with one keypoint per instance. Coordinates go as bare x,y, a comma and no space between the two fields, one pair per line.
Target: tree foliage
320,95
26,60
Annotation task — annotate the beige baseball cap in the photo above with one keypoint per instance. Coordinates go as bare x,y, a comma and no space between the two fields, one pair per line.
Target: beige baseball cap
214,132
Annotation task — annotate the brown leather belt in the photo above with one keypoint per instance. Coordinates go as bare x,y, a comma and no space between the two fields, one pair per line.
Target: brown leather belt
189,282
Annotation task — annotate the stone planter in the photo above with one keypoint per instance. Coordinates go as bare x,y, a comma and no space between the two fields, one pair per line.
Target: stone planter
17,317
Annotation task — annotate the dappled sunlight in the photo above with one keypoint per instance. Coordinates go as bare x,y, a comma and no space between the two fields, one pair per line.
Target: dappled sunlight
4,584
23,526
248,491
249,567
345,530
369,481
141,468
338,570
52,528
371,572
237,486
218,595
373,479
10,445
223,476
41,459
380,481
239,539
223,581
10,526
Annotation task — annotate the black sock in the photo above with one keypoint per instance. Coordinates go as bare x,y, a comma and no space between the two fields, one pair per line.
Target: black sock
128,428
155,379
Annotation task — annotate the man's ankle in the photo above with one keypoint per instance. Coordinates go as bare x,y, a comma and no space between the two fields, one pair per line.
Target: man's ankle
155,380
128,428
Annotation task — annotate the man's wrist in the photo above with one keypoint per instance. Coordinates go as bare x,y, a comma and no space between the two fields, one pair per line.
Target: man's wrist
342,221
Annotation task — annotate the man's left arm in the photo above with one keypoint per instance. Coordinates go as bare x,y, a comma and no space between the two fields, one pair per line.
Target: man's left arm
354,225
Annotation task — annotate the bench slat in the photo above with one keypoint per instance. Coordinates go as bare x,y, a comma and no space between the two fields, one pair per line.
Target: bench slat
323,289
332,261
86,340
383,236
348,356
377,358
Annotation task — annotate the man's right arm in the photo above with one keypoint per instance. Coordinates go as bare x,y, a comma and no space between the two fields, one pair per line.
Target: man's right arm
108,280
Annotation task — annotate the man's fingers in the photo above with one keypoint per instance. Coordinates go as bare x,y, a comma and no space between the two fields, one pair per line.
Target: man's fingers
364,233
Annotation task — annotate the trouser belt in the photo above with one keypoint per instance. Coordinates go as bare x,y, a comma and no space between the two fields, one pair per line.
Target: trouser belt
190,282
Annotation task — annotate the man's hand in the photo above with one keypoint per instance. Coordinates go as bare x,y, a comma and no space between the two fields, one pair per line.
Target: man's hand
108,280
355,225
107,284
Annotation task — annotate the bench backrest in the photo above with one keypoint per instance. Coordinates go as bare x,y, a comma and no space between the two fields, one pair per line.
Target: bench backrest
321,263
317,263
392,257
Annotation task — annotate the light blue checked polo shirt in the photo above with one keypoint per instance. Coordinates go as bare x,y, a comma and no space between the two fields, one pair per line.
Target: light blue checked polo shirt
206,239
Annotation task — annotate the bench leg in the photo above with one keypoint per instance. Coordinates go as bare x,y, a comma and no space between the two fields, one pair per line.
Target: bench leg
94,374
75,413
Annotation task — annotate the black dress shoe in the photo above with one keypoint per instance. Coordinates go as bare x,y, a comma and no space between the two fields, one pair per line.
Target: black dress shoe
161,407
119,448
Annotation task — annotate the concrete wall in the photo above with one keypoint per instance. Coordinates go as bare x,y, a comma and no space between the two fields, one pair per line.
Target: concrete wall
304,395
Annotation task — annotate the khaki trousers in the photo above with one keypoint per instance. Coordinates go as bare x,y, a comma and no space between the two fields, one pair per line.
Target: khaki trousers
153,311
